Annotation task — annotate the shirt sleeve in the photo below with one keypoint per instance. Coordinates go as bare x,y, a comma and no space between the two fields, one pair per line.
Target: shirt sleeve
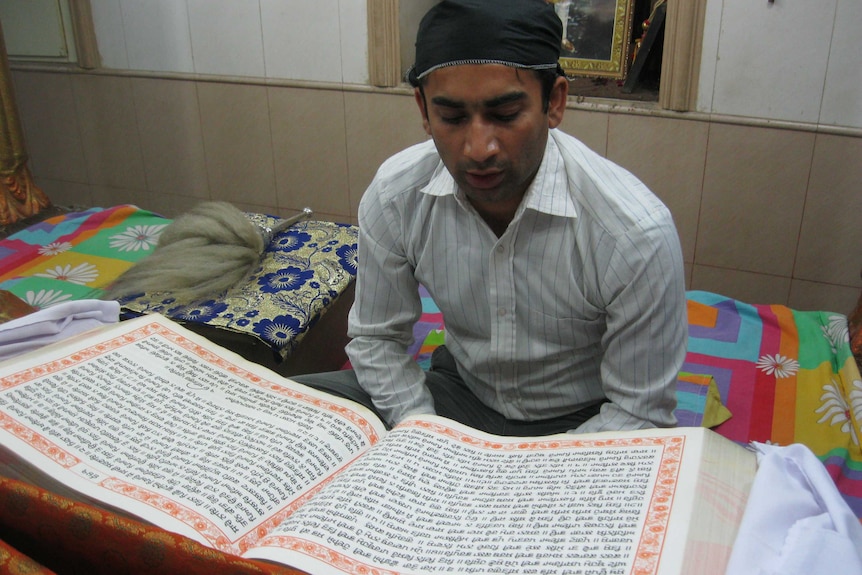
647,330
386,307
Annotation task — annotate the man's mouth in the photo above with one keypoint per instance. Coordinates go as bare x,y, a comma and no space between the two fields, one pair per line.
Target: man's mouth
484,180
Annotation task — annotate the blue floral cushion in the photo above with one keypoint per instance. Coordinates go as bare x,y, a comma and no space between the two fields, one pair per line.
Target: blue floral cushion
301,273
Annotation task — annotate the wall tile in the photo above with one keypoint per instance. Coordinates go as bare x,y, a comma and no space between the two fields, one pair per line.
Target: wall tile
753,196
302,40
226,37
109,131
168,205
107,196
157,35
831,221
378,125
589,127
171,139
815,296
51,132
310,149
237,142
269,209
770,66
110,33
67,194
842,94
668,156
745,286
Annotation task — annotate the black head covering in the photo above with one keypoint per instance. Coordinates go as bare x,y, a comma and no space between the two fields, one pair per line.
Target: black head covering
518,33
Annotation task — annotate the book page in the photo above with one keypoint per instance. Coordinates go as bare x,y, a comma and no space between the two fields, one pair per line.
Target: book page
720,486
152,419
436,497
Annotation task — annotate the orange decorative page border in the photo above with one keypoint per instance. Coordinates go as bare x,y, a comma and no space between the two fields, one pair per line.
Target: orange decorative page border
44,369
208,356
198,522
37,441
158,329
187,515
251,540
327,555
649,549
205,527
119,486
658,513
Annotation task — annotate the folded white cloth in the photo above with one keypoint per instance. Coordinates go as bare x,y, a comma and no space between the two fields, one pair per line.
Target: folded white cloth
795,521
55,323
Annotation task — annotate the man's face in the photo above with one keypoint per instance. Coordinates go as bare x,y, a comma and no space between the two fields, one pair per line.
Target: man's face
489,128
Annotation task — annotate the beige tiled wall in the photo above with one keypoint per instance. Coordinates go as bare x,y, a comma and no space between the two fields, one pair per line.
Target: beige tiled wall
767,215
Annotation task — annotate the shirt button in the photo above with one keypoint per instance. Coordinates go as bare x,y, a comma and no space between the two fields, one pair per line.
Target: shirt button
501,311
501,249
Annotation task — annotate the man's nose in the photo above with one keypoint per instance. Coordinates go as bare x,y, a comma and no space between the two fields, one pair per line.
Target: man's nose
480,142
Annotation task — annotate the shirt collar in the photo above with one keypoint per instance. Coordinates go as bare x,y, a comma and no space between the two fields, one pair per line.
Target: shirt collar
548,192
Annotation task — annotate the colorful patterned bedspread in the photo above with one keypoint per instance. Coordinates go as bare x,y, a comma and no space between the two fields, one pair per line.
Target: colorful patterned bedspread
784,376
76,255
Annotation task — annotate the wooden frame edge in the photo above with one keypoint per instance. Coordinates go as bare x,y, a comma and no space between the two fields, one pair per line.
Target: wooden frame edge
384,43
680,67
86,45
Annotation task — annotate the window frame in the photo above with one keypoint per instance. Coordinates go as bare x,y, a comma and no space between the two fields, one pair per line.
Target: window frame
78,35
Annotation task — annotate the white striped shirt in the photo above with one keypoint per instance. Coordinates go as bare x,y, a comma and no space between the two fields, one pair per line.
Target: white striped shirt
581,299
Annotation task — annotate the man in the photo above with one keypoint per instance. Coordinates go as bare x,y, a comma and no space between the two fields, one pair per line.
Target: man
559,274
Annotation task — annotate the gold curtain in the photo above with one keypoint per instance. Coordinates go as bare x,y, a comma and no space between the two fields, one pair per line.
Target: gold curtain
19,195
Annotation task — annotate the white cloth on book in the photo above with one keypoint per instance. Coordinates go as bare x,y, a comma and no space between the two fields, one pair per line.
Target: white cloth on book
795,521
55,323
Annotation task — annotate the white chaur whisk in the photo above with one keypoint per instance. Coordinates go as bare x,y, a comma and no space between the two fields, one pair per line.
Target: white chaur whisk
204,252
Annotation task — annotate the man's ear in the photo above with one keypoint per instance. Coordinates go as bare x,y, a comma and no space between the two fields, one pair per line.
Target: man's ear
419,95
557,102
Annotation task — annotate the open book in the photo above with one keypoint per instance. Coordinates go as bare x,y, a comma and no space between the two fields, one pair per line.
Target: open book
151,420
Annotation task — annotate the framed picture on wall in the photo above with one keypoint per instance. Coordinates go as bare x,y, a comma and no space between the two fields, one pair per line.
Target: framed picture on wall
596,36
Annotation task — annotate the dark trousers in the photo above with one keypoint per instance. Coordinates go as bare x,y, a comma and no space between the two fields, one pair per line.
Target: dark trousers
452,400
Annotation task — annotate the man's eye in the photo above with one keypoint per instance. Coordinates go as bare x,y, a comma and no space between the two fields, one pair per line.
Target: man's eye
452,119
506,117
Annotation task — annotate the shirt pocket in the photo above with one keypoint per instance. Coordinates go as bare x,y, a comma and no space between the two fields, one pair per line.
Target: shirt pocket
549,336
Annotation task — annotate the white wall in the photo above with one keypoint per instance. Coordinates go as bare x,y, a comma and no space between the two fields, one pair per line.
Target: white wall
317,40
787,60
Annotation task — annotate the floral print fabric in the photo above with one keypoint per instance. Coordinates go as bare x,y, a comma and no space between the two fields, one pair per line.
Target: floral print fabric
301,273
76,255
787,376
